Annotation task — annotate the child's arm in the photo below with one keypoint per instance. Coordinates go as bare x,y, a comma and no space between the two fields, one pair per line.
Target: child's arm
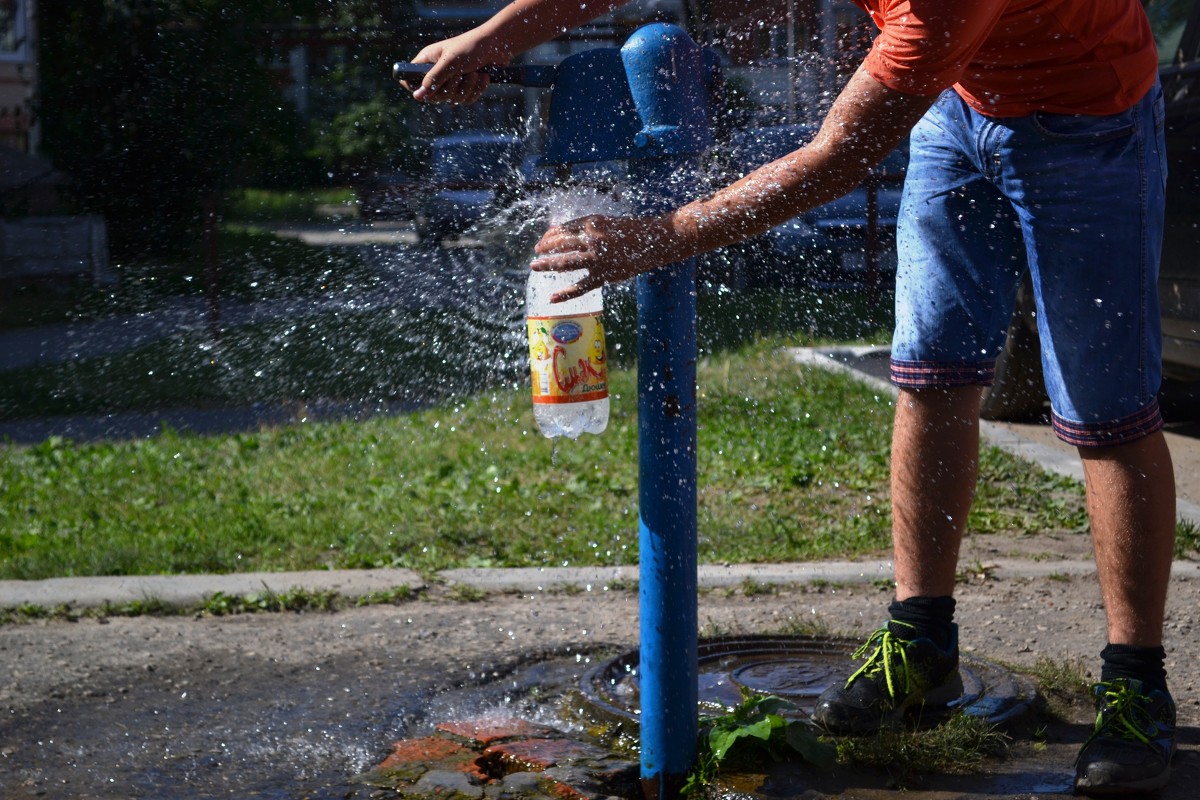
455,75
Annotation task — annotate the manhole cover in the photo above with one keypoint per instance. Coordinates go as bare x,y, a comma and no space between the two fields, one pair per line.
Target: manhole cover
796,668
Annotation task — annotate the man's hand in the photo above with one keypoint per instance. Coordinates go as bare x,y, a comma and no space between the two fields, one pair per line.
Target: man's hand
611,249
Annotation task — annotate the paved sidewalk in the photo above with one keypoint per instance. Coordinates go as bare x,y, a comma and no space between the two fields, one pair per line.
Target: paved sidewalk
190,590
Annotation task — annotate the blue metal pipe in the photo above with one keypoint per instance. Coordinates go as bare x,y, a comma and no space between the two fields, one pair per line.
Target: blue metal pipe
648,104
666,79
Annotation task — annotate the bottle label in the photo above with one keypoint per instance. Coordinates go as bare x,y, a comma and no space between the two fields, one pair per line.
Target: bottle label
567,359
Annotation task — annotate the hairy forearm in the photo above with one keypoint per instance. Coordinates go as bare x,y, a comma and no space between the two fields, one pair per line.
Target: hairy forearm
767,197
866,122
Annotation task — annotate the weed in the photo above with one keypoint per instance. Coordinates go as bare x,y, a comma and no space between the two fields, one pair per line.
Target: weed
959,744
1063,684
714,629
137,608
465,593
220,604
397,594
1067,676
32,611
1187,538
752,588
806,625
756,729
975,572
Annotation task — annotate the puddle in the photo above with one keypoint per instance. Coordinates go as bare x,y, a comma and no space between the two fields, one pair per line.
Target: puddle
265,732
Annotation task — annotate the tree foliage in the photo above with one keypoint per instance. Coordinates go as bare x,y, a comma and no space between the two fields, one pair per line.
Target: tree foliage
155,107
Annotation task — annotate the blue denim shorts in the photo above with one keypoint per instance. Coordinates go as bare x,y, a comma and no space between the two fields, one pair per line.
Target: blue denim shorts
1079,200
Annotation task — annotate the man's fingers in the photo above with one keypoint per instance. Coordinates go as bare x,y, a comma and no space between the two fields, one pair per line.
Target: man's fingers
579,289
573,236
560,262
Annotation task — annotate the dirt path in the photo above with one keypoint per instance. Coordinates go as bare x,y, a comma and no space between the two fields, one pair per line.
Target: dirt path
291,705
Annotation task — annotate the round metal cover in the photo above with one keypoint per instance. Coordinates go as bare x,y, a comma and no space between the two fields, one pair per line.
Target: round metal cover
798,669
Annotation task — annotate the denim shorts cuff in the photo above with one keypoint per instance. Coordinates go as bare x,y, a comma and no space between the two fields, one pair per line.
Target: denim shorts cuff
1108,434
941,375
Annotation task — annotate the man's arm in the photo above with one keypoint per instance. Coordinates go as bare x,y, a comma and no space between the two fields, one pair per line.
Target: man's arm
865,123
455,75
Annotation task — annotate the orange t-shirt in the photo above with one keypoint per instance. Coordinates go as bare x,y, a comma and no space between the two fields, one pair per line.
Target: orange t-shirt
1009,58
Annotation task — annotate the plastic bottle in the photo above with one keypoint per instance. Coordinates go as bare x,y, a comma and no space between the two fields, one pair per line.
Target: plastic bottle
568,361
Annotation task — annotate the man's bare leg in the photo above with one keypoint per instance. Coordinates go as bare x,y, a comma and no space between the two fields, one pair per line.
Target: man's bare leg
1131,502
935,455
935,464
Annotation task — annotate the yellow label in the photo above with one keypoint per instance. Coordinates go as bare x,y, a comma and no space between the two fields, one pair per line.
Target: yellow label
567,359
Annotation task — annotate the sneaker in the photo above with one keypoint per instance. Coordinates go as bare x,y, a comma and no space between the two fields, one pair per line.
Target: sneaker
1131,747
900,676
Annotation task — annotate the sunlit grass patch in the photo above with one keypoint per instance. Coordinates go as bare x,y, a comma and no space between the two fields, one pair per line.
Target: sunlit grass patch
792,466
1063,684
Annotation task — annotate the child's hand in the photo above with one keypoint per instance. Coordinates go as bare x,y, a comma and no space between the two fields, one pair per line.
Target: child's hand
455,76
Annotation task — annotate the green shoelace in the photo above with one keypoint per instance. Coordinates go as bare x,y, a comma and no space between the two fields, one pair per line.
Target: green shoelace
888,649
1124,712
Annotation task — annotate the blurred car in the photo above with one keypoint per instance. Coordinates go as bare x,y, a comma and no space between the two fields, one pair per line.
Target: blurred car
1018,391
1177,29
851,241
470,171
847,243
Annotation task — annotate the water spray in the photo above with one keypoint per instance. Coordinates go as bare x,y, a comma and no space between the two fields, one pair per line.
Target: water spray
647,103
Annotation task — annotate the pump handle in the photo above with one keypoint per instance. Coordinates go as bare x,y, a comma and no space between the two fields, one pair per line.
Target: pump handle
539,76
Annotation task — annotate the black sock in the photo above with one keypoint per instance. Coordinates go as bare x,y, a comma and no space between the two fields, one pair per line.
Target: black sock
932,617
1140,663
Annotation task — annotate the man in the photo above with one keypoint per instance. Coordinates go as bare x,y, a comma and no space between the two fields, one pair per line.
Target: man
1036,139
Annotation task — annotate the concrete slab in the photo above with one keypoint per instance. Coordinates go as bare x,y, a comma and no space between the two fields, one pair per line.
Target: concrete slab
188,590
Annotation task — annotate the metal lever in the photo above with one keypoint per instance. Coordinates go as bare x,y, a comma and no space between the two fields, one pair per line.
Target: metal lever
539,76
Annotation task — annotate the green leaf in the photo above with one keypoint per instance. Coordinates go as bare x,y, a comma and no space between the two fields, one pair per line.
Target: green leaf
804,740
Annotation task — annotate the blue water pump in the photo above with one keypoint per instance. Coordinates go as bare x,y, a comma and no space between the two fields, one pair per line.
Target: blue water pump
647,103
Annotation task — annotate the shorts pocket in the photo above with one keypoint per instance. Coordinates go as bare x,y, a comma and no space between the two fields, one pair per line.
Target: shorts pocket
1083,128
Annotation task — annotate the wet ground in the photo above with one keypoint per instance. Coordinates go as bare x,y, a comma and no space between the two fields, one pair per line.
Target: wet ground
297,705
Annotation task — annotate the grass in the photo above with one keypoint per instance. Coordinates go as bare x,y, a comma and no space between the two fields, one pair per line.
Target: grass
793,461
252,264
1063,685
263,205
792,466
960,744
1187,538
